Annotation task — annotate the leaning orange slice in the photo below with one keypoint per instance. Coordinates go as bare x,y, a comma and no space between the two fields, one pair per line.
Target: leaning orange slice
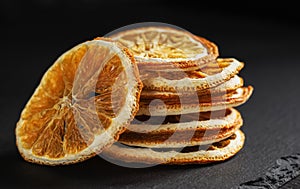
82,104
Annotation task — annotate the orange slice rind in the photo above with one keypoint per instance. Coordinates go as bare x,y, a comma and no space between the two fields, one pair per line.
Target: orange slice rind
216,152
203,79
183,130
233,99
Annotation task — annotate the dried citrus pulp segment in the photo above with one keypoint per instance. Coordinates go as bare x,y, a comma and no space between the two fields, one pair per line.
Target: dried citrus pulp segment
182,130
167,49
215,152
82,104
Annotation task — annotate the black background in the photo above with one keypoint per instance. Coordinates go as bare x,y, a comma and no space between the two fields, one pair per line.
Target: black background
266,37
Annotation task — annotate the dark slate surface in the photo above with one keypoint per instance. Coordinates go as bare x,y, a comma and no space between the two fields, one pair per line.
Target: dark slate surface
285,169
35,34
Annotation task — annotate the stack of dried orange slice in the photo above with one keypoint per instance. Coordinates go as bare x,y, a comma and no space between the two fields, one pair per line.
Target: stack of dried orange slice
186,112
91,101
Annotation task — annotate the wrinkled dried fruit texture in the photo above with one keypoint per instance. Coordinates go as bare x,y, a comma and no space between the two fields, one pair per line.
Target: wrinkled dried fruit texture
199,116
210,147
211,68
162,44
215,146
76,100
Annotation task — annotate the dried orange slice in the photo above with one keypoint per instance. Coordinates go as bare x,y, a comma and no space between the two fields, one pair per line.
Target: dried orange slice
212,75
182,130
228,86
216,152
193,105
167,49
82,104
